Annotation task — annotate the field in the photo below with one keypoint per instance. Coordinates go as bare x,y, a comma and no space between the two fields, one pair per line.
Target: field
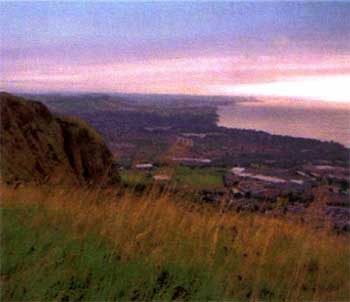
134,177
199,177
79,245
192,178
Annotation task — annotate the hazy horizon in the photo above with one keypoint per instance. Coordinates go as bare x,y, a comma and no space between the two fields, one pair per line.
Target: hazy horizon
278,49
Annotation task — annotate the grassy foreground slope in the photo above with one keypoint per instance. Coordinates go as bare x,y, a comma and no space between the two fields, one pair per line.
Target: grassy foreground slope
79,245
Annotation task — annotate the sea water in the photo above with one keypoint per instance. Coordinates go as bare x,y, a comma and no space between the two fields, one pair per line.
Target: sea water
298,118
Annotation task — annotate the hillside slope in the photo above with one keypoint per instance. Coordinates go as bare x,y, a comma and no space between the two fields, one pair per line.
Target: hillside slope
37,146
83,245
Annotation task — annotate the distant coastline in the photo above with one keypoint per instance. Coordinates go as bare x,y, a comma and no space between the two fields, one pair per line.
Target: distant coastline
301,118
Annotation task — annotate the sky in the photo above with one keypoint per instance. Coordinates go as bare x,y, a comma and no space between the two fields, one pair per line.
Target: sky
285,49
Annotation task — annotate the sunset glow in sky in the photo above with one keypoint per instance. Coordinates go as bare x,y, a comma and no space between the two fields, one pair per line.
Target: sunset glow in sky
299,49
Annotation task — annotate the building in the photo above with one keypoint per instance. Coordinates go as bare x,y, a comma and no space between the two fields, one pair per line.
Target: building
146,166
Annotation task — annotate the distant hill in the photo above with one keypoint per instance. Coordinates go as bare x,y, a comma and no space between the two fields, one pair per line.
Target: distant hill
37,146
87,103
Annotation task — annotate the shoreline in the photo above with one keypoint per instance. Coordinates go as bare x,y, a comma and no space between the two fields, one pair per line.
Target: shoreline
223,120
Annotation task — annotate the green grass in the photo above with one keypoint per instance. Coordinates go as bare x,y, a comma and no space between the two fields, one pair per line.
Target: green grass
198,178
133,177
182,176
80,245
47,263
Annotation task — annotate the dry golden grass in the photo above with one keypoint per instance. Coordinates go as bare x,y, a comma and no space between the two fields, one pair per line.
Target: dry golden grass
275,259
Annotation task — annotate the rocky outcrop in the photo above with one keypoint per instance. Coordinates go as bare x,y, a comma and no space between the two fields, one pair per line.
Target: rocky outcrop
37,146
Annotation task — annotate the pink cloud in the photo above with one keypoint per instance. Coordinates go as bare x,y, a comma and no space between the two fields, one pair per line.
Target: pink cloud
192,75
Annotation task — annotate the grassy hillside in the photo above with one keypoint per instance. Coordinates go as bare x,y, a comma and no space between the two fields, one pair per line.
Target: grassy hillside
39,147
79,245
